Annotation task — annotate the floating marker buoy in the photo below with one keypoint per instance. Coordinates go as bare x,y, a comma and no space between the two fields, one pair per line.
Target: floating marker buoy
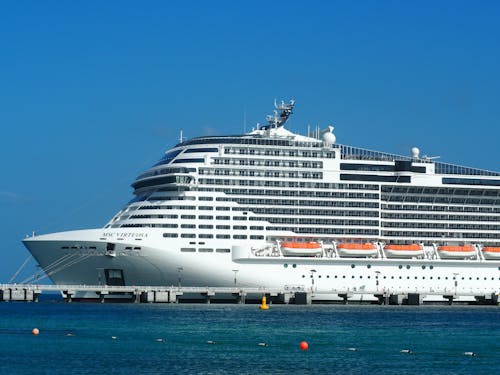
70,334
211,342
262,344
470,354
406,351
35,331
114,337
352,349
304,345
263,305
160,340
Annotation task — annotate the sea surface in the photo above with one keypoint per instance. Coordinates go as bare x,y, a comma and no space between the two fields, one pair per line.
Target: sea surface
93,338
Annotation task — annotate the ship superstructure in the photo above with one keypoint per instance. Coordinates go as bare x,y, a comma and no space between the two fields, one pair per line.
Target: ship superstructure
274,208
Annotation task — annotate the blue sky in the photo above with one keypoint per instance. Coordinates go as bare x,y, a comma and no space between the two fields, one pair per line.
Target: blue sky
92,92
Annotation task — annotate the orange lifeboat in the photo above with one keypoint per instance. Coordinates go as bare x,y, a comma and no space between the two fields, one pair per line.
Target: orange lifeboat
357,250
301,249
404,251
491,252
456,252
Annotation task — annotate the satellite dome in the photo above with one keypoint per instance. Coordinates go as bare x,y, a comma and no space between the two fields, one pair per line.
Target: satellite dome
415,152
328,136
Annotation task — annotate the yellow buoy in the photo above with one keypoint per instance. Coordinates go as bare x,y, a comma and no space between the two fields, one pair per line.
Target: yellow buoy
263,305
35,331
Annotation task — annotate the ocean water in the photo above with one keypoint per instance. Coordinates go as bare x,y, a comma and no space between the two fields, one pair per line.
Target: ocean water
92,338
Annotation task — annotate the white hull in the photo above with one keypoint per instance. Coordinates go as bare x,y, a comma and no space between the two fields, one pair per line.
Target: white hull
160,262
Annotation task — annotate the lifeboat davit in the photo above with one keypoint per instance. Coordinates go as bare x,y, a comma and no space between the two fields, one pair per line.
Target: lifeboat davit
301,249
404,251
456,252
491,252
357,250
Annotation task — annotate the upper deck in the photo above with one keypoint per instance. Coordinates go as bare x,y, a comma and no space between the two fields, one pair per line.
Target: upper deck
347,152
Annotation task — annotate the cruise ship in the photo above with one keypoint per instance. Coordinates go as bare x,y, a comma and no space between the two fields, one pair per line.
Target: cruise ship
275,209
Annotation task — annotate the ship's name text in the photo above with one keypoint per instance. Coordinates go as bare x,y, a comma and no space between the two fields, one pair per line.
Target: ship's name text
124,234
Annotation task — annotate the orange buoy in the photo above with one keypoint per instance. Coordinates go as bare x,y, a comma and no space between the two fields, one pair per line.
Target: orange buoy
304,345
35,331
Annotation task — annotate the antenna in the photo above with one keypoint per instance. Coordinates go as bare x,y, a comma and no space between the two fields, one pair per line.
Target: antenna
181,138
244,119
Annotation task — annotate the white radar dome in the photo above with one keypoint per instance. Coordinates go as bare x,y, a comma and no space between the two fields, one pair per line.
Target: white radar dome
415,152
328,136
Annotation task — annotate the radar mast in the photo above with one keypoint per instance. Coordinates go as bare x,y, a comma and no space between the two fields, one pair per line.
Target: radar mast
281,114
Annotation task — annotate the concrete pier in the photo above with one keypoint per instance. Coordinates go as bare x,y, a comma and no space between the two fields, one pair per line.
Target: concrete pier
19,293
240,295
302,298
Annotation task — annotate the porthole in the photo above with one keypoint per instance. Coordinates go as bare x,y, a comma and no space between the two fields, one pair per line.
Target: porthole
352,277
423,267
407,266
368,266
303,276
353,265
408,277
400,266
343,276
360,277
416,277
385,277
319,276
285,265
327,276
294,265
431,267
